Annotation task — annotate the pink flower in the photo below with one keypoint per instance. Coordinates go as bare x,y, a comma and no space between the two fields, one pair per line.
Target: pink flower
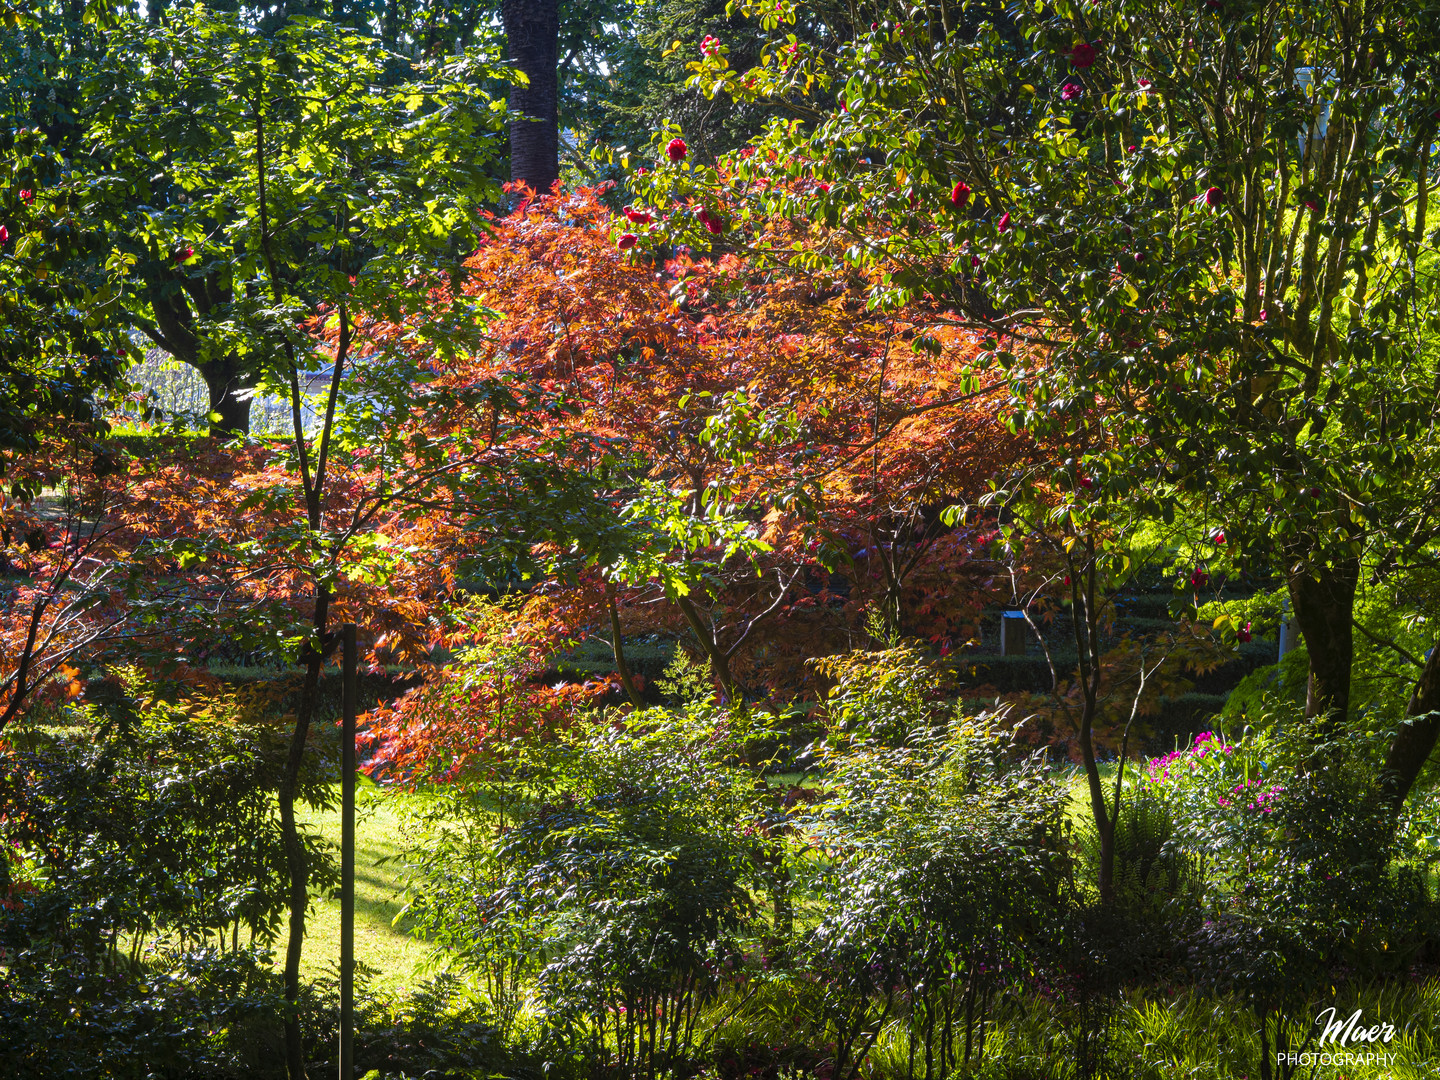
1214,196
1145,84
1243,633
974,261
1082,55
709,46
627,241
26,195
638,217
1071,91
1087,482
4,235
1312,205
712,222
959,195
1219,538
676,150
1130,149
1264,315
1004,225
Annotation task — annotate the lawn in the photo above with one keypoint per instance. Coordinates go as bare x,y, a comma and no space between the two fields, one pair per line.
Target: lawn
383,942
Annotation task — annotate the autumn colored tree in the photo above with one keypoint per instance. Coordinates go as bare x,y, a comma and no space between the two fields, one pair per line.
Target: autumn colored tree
766,429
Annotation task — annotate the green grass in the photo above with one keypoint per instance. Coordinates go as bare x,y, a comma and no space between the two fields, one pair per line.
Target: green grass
381,942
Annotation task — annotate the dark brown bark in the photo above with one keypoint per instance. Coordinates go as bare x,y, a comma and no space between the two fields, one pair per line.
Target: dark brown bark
223,380
532,36
1415,741
224,377
617,647
297,862
1324,607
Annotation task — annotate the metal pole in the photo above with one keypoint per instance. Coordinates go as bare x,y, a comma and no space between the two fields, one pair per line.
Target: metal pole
347,853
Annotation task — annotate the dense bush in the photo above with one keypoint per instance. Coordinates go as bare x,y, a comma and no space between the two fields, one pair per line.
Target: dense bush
141,840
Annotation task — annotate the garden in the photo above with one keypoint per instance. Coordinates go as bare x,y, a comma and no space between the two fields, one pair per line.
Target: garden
646,539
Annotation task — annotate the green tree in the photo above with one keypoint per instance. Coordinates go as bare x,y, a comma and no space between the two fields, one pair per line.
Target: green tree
1197,240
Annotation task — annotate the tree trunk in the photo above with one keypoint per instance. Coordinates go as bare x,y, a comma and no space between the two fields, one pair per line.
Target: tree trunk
617,648
1325,612
1415,741
532,36
296,861
223,378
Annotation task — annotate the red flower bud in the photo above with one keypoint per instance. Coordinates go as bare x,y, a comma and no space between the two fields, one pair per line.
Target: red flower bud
1219,538
959,195
1243,633
4,235
1214,196
1004,225
676,150
974,260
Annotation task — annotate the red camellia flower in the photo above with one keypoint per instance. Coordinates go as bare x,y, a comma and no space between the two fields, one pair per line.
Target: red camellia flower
1087,482
1199,578
638,217
4,235
1219,538
712,222
627,241
1315,493
1005,222
1082,55
1131,148
710,45
1214,196
1264,315
26,195
1070,91
1145,84
1067,579
1243,633
184,255
1312,205
677,150
959,195
974,260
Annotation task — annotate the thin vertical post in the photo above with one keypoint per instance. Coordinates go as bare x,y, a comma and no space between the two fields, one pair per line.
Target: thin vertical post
347,852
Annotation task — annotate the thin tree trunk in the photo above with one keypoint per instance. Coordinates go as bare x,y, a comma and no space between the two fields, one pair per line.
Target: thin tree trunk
532,37
296,860
617,647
